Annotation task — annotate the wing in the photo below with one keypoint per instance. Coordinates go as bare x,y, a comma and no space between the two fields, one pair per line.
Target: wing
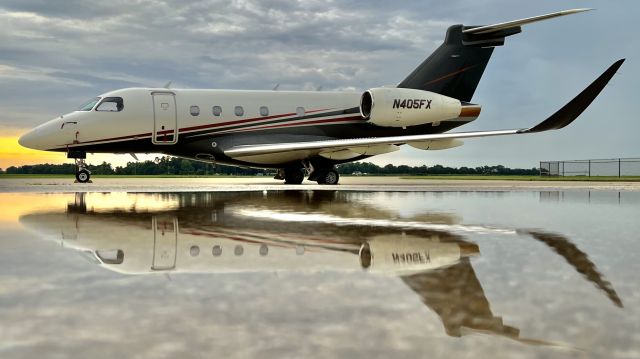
579,260
378,145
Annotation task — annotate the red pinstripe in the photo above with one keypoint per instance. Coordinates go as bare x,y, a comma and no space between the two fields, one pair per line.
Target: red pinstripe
183,130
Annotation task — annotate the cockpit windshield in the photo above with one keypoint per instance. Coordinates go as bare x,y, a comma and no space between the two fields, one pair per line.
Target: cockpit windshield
89,104
115,256
111,104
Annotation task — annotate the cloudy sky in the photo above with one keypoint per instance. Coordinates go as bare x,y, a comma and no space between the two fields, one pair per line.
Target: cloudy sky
56,54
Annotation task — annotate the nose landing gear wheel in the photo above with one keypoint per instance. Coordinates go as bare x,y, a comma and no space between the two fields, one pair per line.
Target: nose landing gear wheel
330,177
83,175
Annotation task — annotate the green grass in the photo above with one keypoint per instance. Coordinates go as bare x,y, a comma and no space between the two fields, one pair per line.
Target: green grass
4,175
528,178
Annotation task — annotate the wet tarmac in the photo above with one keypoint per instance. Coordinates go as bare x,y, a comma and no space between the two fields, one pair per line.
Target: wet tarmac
351,183
359,273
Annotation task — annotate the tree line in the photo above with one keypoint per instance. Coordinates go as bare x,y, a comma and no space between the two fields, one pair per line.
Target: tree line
370,168
164,165
167,165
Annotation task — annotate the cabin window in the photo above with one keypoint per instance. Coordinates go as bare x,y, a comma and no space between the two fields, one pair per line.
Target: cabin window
194,251
88,106
216,251
216,110
264,111
239,111
111,104
264,250
238,250
300,111
194,110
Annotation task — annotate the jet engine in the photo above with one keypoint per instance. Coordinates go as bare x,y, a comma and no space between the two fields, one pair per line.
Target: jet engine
411,254
402,107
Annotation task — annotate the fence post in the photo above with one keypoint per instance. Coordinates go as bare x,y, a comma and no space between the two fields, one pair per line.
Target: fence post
589,168
562,168
619,172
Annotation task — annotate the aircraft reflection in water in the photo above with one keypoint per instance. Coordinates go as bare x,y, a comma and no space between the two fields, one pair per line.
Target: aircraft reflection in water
300,231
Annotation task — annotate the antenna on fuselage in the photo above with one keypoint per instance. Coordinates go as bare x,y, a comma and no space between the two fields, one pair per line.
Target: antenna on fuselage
319,88
275,88
167,85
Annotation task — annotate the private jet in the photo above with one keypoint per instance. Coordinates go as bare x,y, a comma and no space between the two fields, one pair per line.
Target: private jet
302,133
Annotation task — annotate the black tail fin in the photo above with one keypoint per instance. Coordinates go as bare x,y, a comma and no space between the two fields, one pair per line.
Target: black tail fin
455,68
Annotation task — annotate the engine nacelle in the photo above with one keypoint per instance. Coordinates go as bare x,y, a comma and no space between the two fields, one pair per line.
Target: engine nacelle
401,107
412,254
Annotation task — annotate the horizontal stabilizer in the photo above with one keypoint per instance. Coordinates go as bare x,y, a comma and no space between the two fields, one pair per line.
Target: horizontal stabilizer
560,119
516,23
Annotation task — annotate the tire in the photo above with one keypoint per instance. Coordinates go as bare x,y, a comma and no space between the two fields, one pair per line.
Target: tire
83,176
293,176
330,177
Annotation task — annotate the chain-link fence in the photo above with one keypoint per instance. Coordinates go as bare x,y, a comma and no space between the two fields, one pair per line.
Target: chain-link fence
615,167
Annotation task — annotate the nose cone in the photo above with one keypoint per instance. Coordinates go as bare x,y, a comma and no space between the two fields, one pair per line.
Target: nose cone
29,140
44,137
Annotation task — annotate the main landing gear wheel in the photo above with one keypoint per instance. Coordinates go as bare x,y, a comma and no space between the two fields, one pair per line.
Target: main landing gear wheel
330,177
293,175
83,175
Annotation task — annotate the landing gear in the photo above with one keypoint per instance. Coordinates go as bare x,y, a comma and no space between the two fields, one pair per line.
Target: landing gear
293,175
83,175
321,172
328,176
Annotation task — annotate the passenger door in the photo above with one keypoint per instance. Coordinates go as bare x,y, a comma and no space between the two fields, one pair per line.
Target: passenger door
165,118
165,241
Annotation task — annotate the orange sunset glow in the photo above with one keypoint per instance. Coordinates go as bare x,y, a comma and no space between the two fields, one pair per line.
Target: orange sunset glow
12,154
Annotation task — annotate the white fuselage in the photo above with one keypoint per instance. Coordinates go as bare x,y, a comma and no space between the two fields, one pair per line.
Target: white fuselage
190,112
202,124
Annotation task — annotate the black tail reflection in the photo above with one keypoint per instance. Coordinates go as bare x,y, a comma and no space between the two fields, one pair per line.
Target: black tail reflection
456,295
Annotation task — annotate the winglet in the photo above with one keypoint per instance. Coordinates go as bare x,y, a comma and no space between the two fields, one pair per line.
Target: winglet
578,259
575,107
